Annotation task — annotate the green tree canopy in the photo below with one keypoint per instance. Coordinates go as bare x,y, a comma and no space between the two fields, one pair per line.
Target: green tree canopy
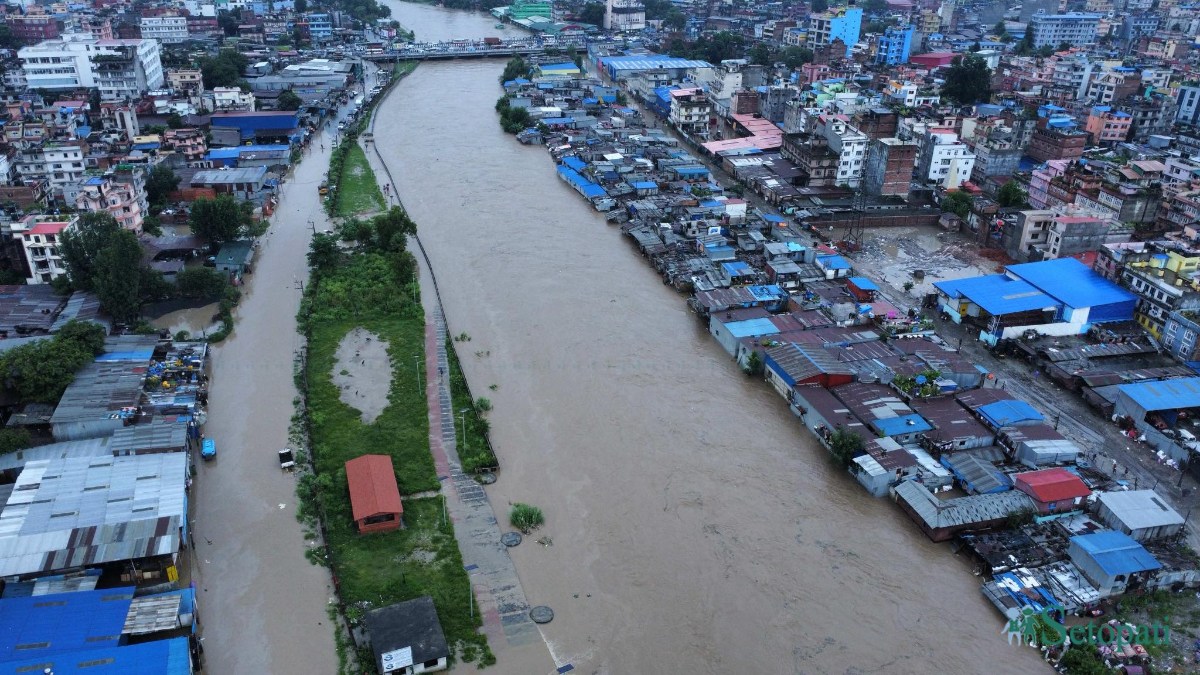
323,253
819,6
39,372
1000,28
794,57
761,54
220,220
201,282
968,81
225,69
1010,194
301,6
516,67
845,445
118,276
593,13
288,100
161,182
80,245
392,230
958,203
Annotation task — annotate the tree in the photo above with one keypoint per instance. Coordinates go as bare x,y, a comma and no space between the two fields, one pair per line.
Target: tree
845,446
1000,29
819,6
593,13
968,81
1025,46
323,253
761,54
392,230
301,6
220,220
975,46
794,57
40,371
958,203
874,6
1010,194
675,21
288,100
117,279
161,182
80,245
516,67
225,69
201,282
7,39
87,334
174,121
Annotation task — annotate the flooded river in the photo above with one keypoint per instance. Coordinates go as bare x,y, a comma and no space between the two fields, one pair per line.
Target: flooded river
696,526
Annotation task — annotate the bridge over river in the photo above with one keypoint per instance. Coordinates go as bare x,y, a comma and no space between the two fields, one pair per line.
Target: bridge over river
478,49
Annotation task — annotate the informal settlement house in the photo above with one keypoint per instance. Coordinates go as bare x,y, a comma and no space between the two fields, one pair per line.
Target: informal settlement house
374,495
407,637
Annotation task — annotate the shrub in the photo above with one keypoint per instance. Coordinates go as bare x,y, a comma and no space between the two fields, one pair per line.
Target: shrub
526,518
482,404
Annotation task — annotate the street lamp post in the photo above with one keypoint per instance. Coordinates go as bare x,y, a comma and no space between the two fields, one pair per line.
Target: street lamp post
417,364
462,415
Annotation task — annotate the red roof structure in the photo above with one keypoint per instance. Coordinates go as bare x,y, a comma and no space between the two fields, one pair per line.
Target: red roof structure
374,495
1056,489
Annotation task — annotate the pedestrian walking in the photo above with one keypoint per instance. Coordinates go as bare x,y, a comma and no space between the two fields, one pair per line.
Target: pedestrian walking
1114,468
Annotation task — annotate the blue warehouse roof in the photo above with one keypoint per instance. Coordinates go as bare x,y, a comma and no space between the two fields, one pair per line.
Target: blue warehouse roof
648,62
997,294
1007,413
752,328
1116,552
574,163
42,626
737,267
161,657
1167,394
833,262
902,424
863,283
1072,282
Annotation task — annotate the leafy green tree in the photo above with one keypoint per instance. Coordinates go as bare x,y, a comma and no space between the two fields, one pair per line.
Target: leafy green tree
220,220
874,6
288,100
392,230
117,279
225,69
81,245
161,182
968,81
593,13
1000,28
761,54
12,440
323,253
8,40
755,365
675,21
516,67
88,335
819,6
152,226
958,203
39,372
845,446
201,282
1010,194
794,57
1025,45
301,6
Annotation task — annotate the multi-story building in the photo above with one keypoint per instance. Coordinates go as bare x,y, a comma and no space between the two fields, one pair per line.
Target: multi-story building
689,111
889,167
187,142
1180,333
320,26
121,69
910,94
1056,142
40,236
186,81
994,158
850,145
60,164
1106,126
1072,73
231,98
32,27
1045,235
1153,114
1180,174
877,122
812,156
1188,100
99,27
166,29
895,45
1113,85
843,24
1163,275
624,15
944,159
1073,28
1134,26
120,193
203,28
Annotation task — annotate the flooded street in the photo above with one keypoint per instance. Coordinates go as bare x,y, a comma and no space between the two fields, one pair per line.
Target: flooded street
261,603
696,527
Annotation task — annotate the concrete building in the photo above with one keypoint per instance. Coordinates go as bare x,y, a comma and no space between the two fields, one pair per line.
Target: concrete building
849,144
1164,276
61,164
944,159
889,167
1051,143
320,26
624,15
895,45
1110,560
166,29
121,69
1106,126
121,193
32,27
1188,100
843,24
1179,338
39,237
689,113
1073,28
186,81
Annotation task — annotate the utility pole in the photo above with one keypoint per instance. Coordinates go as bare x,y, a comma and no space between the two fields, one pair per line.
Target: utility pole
417,363
462,415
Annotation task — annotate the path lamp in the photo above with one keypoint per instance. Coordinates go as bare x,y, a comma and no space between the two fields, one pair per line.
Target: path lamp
462,415
417,364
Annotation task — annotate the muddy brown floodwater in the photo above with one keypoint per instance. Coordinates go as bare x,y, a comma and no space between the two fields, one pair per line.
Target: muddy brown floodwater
697,528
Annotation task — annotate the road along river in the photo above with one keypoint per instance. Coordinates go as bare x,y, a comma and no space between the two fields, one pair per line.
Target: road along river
696,527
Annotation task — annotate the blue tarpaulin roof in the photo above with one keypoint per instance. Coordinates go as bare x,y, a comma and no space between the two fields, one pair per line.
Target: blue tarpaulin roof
1072,282
770,292
645,185
902,424
1168,394
1008,413
863,283
737,268
997,294
772,218
752,328
1116,552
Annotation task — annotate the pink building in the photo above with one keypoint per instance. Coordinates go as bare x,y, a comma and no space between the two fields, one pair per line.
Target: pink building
1106,125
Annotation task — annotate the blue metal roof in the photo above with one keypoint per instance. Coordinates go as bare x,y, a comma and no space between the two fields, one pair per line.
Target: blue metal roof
1168,394
997,294
650,62
772,218
1116,552
574,163
645,185
771,292
1007,413
42,626
1072,282
123,356
833,262
752,328
160,657
236,151
691,171
903,424
558,120
737,267
863,283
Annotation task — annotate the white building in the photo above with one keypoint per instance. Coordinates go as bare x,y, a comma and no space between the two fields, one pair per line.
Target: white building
689,111
624,15
166,29
39,237
849,143
228,98
945,159
121,69
1073,28
59,163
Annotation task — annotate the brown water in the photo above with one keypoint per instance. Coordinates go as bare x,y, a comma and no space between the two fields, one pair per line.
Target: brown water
696,526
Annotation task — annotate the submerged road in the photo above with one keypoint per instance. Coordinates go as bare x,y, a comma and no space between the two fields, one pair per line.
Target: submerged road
262,604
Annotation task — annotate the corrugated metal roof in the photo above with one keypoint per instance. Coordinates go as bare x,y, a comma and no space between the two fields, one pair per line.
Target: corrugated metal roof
1009,413
100,391
1183,392
152,613
46,625
142,438
89,447
1116,553
373,488
80,511
1072,282
963,511
1051,485
998,294
1140,509
159,657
